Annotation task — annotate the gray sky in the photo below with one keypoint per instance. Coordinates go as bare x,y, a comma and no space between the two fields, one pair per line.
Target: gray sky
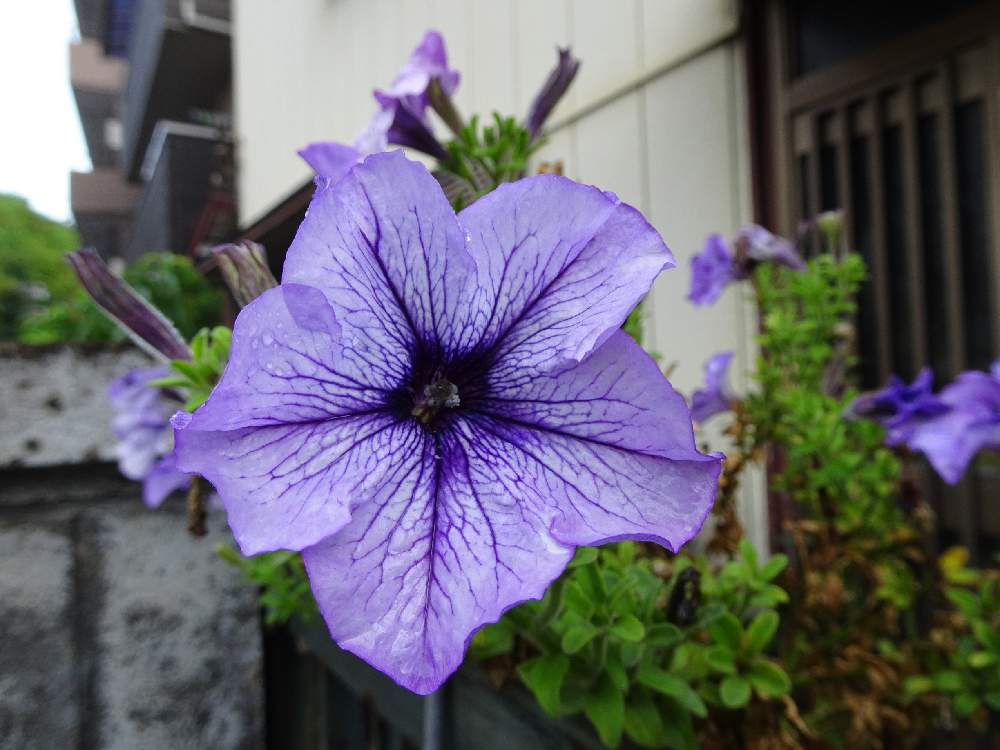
40,135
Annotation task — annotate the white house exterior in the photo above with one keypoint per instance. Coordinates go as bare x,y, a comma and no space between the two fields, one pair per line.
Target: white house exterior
657,115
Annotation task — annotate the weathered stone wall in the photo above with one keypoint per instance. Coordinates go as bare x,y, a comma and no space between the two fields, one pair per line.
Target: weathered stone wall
117,629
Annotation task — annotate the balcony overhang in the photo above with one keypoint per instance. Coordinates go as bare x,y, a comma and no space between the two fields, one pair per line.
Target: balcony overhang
179,61
182,171
101,191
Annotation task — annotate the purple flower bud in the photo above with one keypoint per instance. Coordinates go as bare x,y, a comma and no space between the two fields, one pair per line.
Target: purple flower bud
144,324
552,91
754,243
244,269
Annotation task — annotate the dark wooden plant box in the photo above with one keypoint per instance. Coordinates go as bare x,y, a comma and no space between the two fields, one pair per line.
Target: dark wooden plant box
467,713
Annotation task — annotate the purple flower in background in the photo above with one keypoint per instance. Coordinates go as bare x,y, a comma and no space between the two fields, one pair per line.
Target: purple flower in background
401,117
900,407
436,409
552,91
971,423
757,245
140,422
715,397
711,270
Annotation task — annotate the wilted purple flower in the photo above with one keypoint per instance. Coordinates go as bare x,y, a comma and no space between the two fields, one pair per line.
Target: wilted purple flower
756,244
436,409
144,324
428,62
711,270
400,118
552,91
140,422
900,407
971,423
244,268
715,397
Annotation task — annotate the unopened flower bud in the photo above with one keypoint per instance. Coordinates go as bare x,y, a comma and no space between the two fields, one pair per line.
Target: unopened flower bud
244,269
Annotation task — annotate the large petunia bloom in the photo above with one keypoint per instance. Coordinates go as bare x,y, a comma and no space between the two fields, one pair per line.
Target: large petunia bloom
140,422
436,409
715,397
970,424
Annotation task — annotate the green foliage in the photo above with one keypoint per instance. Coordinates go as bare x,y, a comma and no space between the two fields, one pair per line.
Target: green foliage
606,648
169,281
488,156
32,270
282,580
197,377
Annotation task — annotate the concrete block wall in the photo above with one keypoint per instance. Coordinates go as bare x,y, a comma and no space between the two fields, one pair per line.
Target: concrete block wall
117,629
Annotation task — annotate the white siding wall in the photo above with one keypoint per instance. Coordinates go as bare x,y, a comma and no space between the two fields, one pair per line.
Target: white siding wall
656,115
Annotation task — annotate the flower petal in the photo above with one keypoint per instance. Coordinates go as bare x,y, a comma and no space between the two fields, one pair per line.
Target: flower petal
432,556
610,446
385,247
162,480
330,160
560,267
296,425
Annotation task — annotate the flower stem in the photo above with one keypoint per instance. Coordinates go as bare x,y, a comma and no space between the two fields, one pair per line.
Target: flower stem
196,508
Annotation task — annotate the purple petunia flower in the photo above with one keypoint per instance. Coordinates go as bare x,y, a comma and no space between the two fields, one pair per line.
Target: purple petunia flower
715,397
711,270
401,117
140,422
971,424
757,245
437,410
900,407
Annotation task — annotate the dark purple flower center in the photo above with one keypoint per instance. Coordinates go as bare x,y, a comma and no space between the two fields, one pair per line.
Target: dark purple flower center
436,396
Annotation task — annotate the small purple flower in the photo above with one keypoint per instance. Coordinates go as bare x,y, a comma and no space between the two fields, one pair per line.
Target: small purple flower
552,91
757,245
900,407
140,422
437,410
400,118
715,397
711,271
971,424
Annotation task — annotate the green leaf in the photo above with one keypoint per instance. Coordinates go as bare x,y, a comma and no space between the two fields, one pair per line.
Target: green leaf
663,634
761,630
544,676
948,681
749,553
605,707
642,719
726,630
992,699
918,685
613,666
592,583
966,602
773,567
672,685
493,640
721,659
583,556
734,692
966,703
578,636
768,679
980,659
575,600
628,628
